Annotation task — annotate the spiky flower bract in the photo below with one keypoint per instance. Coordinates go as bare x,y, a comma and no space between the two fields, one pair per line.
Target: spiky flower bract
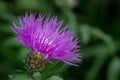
45,35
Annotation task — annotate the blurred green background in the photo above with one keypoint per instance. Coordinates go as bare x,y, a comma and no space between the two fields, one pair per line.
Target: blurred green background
95,22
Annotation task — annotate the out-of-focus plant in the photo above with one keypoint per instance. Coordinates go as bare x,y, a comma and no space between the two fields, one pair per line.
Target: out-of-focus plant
95,22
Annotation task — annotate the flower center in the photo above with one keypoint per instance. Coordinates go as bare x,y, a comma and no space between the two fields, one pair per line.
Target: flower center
35,61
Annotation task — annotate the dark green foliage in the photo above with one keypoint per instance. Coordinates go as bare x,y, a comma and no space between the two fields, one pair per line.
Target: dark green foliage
95,22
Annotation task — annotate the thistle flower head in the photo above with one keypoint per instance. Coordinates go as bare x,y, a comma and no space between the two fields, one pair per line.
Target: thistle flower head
45,36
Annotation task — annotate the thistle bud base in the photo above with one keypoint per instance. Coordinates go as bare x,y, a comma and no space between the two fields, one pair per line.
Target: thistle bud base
35,61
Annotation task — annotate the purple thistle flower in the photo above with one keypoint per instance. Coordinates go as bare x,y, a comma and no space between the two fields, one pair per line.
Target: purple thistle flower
45,35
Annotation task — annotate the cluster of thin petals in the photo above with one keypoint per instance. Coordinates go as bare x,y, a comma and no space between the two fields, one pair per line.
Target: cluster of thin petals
45,35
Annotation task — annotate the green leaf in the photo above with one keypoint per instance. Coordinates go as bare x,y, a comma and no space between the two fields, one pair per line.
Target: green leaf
93,50
10,42
36,76
22,53
98,62
72,20
11,77
19,77
114,69
51,69
20,71
85,33
55,78
105,38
